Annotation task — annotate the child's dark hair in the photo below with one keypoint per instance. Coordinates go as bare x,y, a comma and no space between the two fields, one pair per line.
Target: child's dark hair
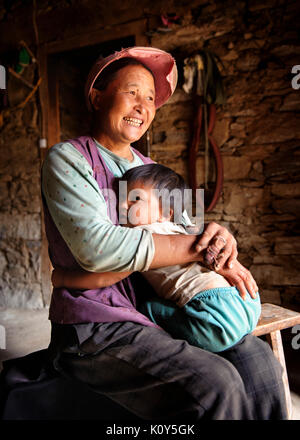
158,177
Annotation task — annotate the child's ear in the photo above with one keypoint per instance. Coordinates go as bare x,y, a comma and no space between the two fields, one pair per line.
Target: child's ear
95,98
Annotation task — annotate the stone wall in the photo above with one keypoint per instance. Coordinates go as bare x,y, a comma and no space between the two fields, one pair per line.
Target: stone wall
20,213
257,130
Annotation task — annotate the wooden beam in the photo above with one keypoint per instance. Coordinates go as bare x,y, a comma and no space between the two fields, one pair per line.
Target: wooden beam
43,92
136,28
141,38
43,102
53,129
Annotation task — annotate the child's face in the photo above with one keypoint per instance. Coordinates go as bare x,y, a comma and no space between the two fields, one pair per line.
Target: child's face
142,205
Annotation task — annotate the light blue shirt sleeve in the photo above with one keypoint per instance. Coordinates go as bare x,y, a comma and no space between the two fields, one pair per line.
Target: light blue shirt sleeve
79,211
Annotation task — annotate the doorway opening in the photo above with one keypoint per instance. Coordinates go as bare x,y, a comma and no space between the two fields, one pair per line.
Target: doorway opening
71,69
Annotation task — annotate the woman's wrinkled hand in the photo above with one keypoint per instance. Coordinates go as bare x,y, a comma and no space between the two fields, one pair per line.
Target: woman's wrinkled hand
241,278
219,247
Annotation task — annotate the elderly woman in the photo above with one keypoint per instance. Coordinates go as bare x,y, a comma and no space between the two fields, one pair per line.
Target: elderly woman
98,336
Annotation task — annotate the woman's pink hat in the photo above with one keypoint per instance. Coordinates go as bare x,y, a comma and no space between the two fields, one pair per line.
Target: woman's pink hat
161,63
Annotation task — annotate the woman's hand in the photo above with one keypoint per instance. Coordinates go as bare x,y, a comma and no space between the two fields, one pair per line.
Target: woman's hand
241,278
219,247
220,254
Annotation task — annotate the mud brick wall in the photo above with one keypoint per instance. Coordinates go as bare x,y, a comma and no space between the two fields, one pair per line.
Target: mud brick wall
257,130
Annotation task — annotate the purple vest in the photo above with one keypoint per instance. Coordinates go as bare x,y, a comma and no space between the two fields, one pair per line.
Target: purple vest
109,304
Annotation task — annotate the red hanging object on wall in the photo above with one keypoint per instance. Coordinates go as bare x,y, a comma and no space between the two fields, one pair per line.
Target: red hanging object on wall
202,77
192,154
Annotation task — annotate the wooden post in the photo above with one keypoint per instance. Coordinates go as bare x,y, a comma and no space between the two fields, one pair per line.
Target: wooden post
275,341
43,94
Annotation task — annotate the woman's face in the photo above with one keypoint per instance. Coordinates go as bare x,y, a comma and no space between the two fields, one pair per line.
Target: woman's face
126,108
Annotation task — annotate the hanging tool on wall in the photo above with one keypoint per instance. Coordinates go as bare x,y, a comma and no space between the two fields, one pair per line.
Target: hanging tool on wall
164,23
169,19
203,80
23,59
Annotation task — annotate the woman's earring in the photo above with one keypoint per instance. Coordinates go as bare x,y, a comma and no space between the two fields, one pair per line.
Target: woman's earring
148,143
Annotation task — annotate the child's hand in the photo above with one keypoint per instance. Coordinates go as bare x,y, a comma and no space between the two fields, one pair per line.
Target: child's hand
57,277
241,278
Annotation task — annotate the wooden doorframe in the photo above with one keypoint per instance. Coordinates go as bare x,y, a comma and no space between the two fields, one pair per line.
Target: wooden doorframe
49,102
49,85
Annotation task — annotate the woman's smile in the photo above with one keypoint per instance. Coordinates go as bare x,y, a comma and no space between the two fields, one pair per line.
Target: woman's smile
133,121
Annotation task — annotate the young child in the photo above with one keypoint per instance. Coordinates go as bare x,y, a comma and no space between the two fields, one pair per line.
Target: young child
192,302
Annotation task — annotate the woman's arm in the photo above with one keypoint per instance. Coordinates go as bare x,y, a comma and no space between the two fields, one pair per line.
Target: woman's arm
168,248
175,249
237,276
79,211
81,279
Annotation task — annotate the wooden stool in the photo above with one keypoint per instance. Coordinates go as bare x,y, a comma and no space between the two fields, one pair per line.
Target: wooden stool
272,320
